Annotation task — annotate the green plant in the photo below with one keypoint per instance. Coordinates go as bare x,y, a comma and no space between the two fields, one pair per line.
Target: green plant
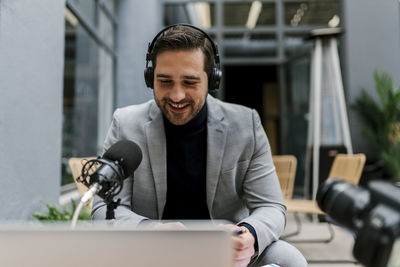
380,121
63,213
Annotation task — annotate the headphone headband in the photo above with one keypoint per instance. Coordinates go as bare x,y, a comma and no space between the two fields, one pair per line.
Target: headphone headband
214,46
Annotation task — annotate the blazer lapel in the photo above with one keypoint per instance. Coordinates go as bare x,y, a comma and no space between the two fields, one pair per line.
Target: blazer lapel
216,138
156,143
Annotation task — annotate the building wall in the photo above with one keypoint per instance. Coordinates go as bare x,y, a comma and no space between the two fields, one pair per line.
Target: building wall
371,42
137,25
31,82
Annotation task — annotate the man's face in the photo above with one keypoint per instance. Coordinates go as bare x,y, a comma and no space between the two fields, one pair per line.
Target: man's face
180,84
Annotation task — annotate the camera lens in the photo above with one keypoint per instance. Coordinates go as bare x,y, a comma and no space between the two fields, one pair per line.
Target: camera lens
343,202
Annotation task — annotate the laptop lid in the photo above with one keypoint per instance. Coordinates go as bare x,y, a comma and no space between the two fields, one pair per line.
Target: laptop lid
62,247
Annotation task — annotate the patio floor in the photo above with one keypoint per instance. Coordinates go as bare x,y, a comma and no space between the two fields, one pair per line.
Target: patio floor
339,248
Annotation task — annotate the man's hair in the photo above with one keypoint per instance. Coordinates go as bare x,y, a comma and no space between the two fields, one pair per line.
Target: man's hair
182,37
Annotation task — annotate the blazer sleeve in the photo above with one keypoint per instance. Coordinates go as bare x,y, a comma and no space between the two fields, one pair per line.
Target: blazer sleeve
123,213
261,191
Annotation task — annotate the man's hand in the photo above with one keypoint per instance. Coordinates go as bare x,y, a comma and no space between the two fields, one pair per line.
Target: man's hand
243,244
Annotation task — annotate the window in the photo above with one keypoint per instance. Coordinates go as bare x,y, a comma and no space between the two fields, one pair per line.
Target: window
90,29
311,13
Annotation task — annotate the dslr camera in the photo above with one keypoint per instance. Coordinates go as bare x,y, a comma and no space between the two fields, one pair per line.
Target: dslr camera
371,213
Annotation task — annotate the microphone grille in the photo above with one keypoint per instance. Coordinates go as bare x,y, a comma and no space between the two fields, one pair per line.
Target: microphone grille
127,153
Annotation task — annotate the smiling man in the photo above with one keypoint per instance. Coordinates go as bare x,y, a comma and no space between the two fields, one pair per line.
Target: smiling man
202,158
180,87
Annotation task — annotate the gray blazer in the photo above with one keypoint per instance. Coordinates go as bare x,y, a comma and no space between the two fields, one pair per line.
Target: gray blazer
242,185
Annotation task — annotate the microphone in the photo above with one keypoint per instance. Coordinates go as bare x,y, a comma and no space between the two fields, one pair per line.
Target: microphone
104,176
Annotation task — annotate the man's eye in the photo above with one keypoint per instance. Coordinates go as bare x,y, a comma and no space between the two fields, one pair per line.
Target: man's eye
190,83
165,81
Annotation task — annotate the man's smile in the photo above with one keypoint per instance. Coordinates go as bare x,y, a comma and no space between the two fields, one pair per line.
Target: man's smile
178,108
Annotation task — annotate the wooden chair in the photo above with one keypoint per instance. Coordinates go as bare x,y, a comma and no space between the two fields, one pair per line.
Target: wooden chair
346,167
75,165
285,166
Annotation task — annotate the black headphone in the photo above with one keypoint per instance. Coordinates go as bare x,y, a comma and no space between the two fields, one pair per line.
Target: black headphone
214,78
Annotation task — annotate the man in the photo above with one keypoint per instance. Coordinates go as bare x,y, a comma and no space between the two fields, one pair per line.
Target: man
202,158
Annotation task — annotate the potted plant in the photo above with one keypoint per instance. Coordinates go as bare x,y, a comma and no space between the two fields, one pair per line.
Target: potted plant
64,213
381,122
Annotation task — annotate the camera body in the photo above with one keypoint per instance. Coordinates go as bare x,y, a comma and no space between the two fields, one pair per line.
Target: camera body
371,213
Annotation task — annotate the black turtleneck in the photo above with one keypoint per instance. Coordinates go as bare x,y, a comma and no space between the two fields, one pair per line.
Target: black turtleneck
186,168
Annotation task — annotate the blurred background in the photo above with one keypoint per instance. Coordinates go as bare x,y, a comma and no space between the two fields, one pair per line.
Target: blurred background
65,66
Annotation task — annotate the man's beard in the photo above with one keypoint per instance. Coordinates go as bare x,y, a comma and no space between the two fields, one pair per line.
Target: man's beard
177,118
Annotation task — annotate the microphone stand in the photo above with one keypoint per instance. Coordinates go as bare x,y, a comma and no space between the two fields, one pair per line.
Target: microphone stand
109,200
111,206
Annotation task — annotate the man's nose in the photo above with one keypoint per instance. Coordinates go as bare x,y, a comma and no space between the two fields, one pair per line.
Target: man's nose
177,94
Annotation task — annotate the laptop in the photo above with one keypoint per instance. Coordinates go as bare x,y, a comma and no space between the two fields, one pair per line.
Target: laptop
38,246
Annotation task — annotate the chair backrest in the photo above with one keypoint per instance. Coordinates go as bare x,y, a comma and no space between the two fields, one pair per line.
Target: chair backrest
75,165
285,166
348,167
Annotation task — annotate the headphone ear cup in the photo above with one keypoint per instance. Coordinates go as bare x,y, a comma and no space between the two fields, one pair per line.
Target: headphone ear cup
149,77
215,79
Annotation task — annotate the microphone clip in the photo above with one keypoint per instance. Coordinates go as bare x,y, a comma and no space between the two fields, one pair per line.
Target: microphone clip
108,174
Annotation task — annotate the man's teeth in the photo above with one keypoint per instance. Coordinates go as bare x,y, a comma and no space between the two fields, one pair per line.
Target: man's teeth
178,105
